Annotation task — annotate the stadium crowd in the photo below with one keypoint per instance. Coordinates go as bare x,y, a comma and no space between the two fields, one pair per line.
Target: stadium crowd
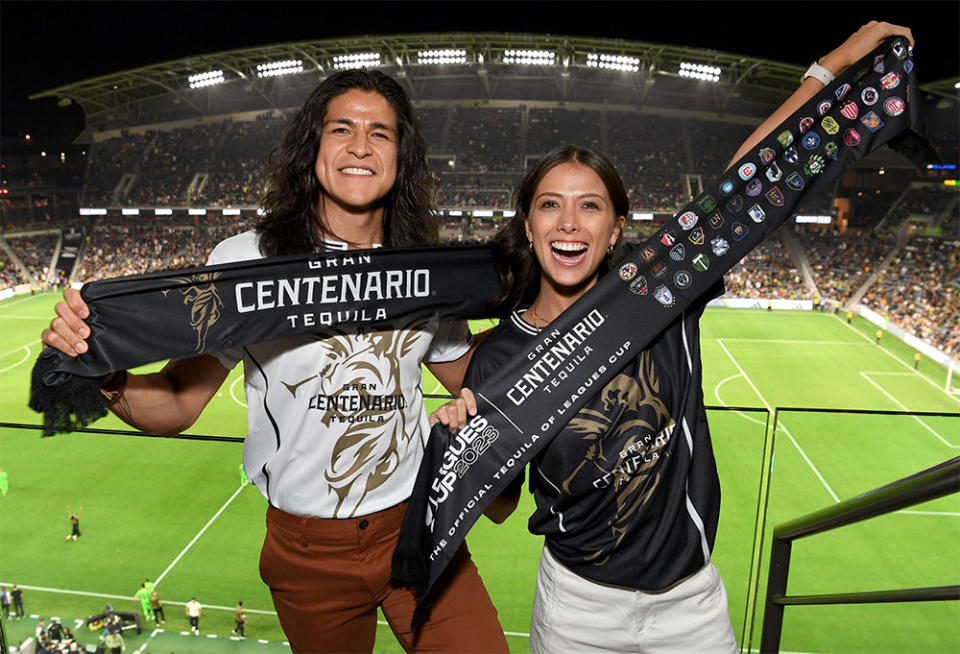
767,272
479,154
842,263
920,292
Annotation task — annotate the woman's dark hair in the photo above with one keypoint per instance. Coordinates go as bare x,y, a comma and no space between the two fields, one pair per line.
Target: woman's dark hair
518,266
291,222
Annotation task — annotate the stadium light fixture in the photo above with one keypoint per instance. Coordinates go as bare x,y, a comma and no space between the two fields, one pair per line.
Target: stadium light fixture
277,68
428,57
163,212
206,79
613,62
530,57
816,220
700,71
357,60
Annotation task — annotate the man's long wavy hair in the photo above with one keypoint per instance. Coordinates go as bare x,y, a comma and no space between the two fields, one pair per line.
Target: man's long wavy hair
292,222
518,267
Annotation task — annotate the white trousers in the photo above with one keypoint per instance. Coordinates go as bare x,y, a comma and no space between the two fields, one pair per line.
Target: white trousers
576,615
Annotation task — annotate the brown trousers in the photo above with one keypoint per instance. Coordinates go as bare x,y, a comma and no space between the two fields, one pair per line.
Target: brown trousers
328,576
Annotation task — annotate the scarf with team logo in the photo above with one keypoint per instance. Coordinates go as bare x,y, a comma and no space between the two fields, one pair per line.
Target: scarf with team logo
521,407
145,318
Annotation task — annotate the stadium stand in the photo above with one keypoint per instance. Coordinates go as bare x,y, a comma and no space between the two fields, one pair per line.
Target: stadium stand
767,273
920,291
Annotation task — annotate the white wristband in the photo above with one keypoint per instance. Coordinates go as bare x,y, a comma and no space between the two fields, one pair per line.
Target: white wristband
819,73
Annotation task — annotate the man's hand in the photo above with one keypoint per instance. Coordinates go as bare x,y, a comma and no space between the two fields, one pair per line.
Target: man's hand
68,331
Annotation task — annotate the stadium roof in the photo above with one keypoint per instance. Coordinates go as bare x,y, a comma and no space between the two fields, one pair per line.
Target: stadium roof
163,91
489,67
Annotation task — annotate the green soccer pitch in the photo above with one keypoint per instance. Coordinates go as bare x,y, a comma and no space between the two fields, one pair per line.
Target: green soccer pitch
173,510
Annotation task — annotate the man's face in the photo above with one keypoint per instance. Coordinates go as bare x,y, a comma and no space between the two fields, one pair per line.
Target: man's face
357,159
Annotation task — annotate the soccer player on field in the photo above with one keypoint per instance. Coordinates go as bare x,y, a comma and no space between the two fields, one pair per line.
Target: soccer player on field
74,523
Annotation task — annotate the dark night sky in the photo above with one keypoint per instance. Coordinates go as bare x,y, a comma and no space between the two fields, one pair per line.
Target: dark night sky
48,44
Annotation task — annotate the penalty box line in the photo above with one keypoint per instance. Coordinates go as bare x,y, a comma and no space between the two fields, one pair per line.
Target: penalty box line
894,357
781,425
903,407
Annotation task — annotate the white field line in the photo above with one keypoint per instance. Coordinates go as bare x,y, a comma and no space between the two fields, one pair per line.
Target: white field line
745,416
716,393
781,425
716,389
793,342
233,392
866,375
26,357
17,349
131,598
199,534
7,305
895,358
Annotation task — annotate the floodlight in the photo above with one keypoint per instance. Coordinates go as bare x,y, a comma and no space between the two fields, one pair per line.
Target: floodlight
276,68
442,57
530,57
614,62
816,220
700,71
206,79
357,60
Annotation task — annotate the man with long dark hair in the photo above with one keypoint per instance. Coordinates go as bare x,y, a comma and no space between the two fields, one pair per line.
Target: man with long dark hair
336,419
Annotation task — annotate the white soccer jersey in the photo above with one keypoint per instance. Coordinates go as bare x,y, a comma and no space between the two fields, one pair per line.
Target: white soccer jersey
336,422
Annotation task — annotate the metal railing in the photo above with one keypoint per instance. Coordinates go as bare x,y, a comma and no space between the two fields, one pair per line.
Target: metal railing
937,481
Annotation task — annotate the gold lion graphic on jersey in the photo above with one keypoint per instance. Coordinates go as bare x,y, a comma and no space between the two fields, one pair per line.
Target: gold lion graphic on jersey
629,406
204,303
367,401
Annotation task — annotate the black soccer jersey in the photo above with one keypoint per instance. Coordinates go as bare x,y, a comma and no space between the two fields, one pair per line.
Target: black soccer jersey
628,493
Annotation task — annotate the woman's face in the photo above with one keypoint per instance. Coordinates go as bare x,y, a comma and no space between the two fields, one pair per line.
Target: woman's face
571,224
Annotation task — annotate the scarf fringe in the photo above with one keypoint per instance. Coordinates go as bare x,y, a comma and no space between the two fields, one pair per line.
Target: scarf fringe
409,569
67,402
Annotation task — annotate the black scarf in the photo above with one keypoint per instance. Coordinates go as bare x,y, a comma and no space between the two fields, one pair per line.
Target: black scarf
524,405
144,318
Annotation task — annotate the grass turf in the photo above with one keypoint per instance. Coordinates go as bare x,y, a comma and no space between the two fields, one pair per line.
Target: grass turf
172,510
